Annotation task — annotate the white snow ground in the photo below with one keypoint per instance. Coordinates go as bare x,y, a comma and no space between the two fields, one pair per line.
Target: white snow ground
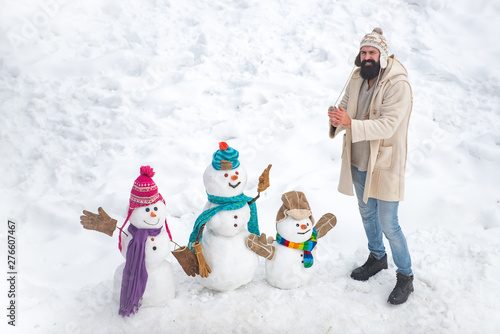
91,90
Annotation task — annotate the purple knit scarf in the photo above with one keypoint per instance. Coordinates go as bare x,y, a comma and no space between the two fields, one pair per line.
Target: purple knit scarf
135,276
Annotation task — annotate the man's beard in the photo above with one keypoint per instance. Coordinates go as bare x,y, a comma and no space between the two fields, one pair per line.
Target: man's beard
369,72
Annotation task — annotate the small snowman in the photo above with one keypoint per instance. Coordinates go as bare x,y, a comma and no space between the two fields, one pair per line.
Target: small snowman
146,278
291,256
225,262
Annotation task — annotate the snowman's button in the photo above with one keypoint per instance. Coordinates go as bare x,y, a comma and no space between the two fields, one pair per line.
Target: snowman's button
302,261
235,217
301,255
235,225
152,239
154,247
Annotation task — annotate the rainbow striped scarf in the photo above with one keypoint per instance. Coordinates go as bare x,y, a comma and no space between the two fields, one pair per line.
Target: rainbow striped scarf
306,246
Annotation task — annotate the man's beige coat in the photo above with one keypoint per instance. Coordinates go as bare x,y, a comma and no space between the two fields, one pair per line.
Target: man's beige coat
386,129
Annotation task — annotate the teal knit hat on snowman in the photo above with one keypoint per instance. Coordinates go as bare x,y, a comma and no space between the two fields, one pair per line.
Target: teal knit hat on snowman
225,158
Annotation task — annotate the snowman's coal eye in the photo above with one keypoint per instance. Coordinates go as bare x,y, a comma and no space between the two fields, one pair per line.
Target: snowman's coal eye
297,225
147,209
226,175
156,209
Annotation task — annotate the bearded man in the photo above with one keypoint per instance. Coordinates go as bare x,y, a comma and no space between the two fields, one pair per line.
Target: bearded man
374,112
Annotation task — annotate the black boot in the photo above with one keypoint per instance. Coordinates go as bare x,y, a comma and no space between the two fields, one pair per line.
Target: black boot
402,290
370,268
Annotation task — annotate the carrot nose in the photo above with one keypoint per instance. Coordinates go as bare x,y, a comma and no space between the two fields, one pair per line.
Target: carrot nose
234,177
303,227
153,214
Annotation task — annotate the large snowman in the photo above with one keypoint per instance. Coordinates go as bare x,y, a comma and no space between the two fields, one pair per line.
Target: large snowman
291,256
220,233
146,278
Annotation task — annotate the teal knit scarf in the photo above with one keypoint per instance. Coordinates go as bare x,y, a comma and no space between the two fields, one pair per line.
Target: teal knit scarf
227,204
306,246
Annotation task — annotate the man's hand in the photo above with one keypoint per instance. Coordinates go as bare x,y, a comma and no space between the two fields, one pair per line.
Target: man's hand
338,116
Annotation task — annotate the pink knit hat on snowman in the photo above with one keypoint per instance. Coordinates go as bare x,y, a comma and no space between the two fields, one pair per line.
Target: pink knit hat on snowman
144,192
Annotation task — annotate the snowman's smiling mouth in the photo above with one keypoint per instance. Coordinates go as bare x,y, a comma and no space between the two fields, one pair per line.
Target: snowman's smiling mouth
303,232
235,185
152,224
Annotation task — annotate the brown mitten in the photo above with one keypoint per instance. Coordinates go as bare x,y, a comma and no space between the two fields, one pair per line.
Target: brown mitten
261,246
264,179
204,269
99,222
325,224
187,260
265,239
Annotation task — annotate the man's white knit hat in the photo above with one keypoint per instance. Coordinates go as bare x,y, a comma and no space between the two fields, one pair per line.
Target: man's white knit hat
377,40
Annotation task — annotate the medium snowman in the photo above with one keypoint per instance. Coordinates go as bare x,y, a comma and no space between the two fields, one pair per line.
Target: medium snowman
146,278
291,256
220,233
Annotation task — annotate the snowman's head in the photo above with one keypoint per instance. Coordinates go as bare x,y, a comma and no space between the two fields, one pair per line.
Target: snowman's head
294,220
225,177
225,183
149,217
295,230
147,208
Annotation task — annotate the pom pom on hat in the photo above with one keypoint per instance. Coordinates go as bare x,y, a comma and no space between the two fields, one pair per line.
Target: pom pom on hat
225,158
377,40
147,171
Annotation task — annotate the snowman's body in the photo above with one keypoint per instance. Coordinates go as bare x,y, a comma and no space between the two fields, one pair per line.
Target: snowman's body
224,247
286,270
160,285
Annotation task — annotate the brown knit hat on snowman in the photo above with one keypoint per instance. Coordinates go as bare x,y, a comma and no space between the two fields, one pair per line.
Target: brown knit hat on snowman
377,40
295,205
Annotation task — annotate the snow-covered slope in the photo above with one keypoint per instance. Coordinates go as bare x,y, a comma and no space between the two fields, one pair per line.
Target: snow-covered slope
88,90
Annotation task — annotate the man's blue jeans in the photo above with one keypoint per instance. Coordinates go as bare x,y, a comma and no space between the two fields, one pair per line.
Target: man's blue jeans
382,217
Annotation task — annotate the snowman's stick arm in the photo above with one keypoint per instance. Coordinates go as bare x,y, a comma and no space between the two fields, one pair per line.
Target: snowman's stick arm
200,232
122,231
254,199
